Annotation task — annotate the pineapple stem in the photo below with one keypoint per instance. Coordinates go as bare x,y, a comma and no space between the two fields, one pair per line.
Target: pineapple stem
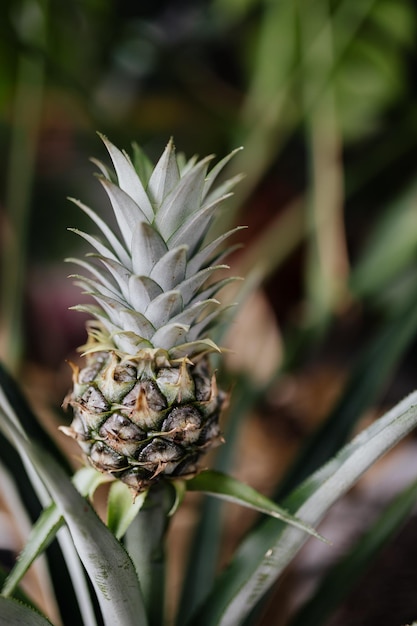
145,542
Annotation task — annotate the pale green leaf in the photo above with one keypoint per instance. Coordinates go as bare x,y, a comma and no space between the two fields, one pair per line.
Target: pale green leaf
126,211
14,613
142,290
122,508
190,286
87,479
94,271
228,488
194,230
147,248
169,271
43,532
97,244
137,323
184,200
128,179
165,176
169,336
203,256
111,238
267,551
180,488
341,578
142,164
108,565
215,171
163,308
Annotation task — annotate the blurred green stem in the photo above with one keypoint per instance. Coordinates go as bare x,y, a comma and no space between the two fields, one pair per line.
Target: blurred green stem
327,263
31,26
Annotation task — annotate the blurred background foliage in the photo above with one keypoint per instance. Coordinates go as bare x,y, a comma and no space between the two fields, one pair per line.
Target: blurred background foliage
322,95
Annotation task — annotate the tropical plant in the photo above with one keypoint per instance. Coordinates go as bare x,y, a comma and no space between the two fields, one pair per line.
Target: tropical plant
145,409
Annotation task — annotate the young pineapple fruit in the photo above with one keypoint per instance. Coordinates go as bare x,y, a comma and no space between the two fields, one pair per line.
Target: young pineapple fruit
146,405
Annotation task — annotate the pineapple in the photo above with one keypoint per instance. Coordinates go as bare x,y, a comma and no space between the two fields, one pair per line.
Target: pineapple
146,405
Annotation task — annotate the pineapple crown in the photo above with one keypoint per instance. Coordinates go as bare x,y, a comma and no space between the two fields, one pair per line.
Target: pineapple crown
154,285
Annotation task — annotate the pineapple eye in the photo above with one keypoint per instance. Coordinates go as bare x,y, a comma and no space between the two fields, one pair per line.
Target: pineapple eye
184,423
94,401
105,459
118,426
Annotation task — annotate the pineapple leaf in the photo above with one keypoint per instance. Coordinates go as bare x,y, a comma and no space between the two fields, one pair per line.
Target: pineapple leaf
225,188
227,488
189,287
126,211
203,346
147,248
93,287
215,171
120,274
96,243
143,166
212,319
104,170
108,565
15,613
267,550
142,290
163,308
44,531
128,179
191,313
202,257
194,230
122,508
169,271
216,287
137,322
165,176
94,271
340,578
169,335
182,201
184,164
115,244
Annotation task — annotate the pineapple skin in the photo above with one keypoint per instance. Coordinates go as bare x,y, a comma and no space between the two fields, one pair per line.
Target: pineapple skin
144,418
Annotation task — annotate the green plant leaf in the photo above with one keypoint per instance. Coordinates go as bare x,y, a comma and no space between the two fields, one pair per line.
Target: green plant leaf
44,531
66,573
42,534
266,551
228,488
14,613
122,508
340,579
109,567
205,549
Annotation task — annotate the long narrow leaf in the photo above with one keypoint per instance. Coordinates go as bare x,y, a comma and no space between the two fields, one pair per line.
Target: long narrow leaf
14,613
46,528
227,488
108,565
205,549
66,572
267,551
43,533
341,578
